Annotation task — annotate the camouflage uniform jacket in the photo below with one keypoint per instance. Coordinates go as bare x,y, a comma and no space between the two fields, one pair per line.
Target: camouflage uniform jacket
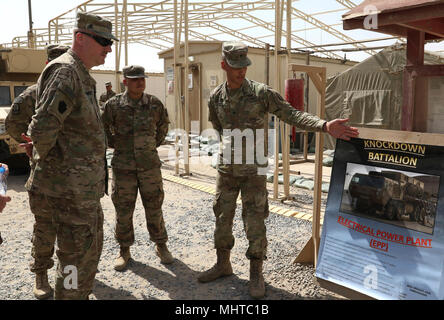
135,130
67,132
247,109
105,97
22,110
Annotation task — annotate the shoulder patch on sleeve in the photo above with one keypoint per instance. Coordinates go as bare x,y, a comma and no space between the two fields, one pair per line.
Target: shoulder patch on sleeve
15,109
62,107
67,91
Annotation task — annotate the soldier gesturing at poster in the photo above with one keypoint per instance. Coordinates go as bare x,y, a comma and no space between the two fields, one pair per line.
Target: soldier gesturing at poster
242,104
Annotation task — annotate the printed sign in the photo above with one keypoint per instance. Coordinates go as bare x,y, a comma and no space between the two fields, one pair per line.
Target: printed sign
383,232
169,74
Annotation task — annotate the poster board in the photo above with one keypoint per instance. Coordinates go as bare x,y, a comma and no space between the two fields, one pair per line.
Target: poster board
383,232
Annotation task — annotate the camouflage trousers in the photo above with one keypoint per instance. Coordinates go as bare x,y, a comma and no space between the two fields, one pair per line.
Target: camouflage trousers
44,233
254,212
125,186
79,230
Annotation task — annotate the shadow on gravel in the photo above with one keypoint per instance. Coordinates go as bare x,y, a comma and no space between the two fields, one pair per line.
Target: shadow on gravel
181,284
177,279
104,292
17,182
273,293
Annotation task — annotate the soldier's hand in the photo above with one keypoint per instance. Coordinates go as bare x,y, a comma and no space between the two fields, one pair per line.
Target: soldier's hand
27,145
338,129
3,200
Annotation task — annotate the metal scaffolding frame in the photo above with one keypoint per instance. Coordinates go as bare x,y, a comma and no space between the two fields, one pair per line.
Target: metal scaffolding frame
151,23
167,23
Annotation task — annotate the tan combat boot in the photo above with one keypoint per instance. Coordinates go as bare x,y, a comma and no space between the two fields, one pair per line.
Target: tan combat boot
222,267
256,285
122,259
42,289
164,254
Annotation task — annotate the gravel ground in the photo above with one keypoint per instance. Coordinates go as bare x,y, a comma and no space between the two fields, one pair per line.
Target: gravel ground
190,223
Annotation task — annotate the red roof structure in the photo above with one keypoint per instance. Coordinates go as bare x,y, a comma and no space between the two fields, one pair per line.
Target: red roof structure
397,17
419,21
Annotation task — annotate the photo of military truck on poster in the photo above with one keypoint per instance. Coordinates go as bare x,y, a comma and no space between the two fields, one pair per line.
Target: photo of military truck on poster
383,230
401,198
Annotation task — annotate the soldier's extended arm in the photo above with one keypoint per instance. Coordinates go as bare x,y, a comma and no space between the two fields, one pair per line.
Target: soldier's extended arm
55,102
337,128
107,120
3,200
20,114
162,125
285,112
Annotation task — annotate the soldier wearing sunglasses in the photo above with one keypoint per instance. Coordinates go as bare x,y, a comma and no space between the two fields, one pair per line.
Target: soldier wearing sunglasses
68,142
44,233
104,42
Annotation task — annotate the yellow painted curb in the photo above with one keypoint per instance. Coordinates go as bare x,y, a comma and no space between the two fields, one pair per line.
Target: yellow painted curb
272,208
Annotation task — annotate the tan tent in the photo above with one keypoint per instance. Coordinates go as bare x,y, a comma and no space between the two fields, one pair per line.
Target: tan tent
370,93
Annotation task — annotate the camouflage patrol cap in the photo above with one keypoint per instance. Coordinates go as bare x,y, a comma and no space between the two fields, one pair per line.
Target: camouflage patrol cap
108,83
95,24
235,54
134,72
55,50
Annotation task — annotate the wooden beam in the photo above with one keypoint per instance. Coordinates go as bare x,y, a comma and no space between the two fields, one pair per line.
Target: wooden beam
408,101
277,84
317,80
415,48
415,57
399,17
413,14
401,31
305,68
427,70
434,27
435,139
309,253
421,106
342,290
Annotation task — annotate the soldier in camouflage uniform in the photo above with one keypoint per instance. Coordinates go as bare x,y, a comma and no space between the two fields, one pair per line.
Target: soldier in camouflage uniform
69,148
106,95
136,123
23,106
242,104
43,236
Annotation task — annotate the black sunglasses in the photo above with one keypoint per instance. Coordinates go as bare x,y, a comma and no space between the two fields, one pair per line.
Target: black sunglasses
100,40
